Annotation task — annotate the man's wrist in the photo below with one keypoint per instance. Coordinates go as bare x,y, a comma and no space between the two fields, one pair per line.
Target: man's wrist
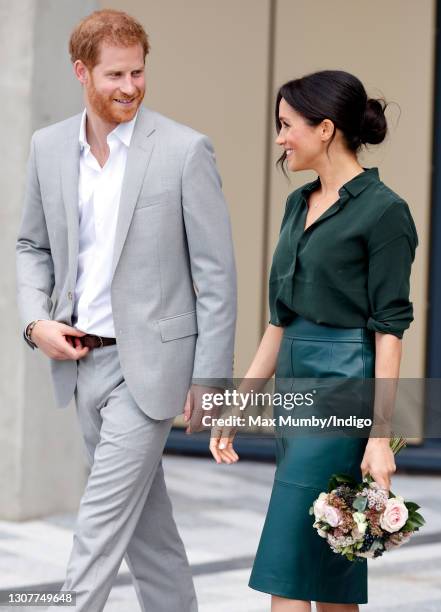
29,329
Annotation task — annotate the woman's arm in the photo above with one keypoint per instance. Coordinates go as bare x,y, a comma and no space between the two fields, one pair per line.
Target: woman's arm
263,365
261,369
378,458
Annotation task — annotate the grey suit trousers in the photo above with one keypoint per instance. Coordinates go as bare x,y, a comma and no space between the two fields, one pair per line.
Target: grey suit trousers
125,511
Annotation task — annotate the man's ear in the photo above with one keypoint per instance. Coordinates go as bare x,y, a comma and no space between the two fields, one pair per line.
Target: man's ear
81,71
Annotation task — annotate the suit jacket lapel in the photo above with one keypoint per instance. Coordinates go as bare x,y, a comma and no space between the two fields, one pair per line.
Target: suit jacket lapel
70,167
138,158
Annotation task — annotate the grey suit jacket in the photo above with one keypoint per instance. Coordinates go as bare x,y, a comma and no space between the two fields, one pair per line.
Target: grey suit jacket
173,288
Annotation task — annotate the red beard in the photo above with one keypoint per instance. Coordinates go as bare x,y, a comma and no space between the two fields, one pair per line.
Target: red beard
111,111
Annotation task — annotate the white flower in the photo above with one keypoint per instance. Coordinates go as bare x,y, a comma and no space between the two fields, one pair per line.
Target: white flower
356,534
360,521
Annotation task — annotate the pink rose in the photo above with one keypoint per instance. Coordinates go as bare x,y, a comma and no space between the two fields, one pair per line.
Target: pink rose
395,515
319,506
331,515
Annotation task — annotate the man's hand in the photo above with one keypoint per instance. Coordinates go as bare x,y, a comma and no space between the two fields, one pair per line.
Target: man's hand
193,410
59,341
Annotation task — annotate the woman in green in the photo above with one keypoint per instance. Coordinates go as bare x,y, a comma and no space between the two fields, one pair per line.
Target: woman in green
339,303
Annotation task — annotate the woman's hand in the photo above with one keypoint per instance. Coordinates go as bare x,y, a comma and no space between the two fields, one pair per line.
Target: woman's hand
378,457
261,369
221,445
379,461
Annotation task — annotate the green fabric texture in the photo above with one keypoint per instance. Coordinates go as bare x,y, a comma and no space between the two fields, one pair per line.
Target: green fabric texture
351,267
292,560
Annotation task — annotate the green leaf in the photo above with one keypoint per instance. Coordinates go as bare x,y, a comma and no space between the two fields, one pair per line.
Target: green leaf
339,479
418,519
411,506
377,544
360,503
411,525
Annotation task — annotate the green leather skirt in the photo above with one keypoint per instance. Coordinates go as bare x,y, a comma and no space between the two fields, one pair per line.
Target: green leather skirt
292,560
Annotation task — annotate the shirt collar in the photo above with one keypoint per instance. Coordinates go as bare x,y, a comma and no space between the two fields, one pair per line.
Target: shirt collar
353,187
123,131
359,183
82,135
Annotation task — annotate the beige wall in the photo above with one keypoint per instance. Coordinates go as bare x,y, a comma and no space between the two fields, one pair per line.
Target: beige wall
390,47
209,68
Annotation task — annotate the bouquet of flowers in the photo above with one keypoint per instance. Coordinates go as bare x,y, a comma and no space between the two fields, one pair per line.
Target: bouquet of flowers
362,520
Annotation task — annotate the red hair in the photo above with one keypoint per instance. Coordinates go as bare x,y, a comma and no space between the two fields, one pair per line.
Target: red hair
113,27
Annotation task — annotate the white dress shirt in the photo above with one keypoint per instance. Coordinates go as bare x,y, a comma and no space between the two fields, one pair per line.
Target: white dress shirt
99,195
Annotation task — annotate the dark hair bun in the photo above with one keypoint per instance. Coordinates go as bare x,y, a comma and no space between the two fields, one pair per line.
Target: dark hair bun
374,124
341,97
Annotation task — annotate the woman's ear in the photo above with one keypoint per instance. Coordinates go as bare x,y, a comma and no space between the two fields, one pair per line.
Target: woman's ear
327,129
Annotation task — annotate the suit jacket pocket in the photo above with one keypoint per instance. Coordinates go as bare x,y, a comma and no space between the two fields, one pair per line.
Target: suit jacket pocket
179,326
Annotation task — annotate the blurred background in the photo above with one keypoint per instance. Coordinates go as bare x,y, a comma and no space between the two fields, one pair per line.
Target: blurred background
216,66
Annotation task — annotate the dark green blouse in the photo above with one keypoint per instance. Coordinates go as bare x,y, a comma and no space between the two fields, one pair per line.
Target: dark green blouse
351,267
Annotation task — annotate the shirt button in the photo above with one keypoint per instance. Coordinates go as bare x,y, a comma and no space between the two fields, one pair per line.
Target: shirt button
69,295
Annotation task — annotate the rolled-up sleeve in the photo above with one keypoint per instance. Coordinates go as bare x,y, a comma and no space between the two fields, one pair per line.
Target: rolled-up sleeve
274,318
391,252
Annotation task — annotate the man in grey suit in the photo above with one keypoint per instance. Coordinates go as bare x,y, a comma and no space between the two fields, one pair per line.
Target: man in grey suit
127,282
